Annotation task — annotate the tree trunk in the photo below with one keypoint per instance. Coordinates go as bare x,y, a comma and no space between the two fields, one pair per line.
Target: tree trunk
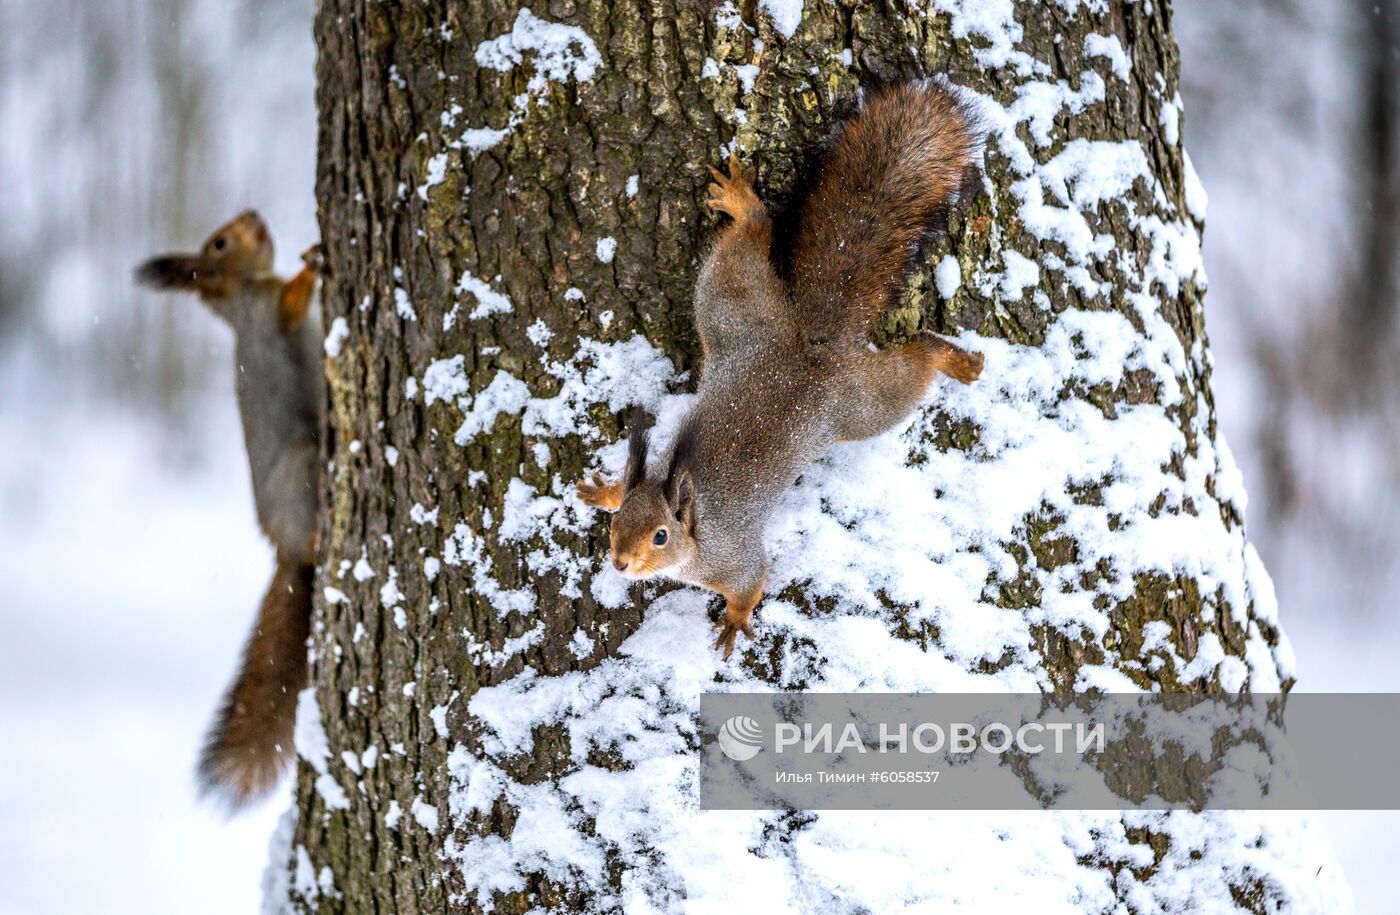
512,205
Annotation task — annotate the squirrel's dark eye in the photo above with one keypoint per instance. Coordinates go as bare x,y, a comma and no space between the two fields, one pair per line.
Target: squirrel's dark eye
219,243
659,538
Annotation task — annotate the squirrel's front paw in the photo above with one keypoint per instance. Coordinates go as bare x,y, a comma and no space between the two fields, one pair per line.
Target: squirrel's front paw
313,259
729,632
598,493
734,193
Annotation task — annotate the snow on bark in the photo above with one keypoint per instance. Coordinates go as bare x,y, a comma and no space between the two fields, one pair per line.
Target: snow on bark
1071,521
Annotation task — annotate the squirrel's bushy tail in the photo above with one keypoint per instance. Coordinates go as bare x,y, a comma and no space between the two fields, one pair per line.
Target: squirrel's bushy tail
250,742
888,177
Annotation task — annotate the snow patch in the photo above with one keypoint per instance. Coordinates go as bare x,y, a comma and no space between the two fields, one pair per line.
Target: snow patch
425,814
336,337
1196,198
488,300
1108,46
437,171
948,276
505,394
605,249
309,735
785,14
560,52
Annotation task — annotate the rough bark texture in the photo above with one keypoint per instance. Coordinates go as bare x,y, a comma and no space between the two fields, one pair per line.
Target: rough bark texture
618,152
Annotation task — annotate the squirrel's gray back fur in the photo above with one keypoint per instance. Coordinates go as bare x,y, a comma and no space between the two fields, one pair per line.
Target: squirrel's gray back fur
787,413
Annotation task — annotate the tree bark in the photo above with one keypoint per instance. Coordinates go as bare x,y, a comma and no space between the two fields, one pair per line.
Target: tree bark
506,199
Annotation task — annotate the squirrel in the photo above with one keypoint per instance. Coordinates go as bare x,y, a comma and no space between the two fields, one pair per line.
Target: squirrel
788,368
280,392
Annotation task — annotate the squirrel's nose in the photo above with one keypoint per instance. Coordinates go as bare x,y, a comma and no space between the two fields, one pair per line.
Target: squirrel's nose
619,563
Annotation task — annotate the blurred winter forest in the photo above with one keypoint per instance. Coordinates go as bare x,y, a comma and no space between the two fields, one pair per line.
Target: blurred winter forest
130,558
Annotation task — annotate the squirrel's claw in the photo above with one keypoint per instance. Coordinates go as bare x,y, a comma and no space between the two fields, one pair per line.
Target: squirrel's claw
737,170
725,642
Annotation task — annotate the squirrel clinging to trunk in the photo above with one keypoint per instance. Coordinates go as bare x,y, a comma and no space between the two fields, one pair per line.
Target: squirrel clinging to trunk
279,388
788,366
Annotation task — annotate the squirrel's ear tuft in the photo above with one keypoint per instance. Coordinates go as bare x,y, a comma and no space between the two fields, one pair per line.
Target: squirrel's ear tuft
173,271
637,439
680,476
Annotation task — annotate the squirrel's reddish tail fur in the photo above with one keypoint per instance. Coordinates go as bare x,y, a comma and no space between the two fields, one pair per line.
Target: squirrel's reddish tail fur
889,176
250,742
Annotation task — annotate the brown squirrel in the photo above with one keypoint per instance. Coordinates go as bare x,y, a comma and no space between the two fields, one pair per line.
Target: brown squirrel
788,367
279,387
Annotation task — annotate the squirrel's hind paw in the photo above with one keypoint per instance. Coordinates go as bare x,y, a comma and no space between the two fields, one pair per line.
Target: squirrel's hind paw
734,194
728,633
957,363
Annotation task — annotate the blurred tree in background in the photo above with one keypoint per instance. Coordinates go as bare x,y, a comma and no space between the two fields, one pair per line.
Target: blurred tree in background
1293,119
